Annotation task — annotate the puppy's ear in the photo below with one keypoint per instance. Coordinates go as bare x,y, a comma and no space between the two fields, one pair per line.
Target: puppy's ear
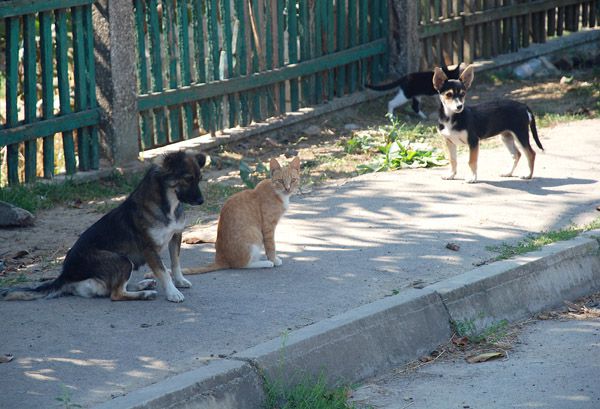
201,159
438,78
467,76
274,165
172,160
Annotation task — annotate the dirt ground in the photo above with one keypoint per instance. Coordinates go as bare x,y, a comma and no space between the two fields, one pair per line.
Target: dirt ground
35,253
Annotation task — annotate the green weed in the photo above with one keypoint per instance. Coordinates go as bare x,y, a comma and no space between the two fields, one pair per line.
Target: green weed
308,394
251,177
12,281
359,143
535,242
399,155
65,399
491,334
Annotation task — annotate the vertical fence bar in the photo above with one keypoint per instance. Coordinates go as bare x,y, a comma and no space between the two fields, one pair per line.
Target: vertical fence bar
363,37
330,47
12,116
318,49
64,93
341,44
242,58
145,120
256,56
560,21
551,30
227,23
385,21
293,51
168,7
47,88
91,84
200,59
30,91
270,54
160,137
213,36
352,34
304,39
81,91
281,52
184,64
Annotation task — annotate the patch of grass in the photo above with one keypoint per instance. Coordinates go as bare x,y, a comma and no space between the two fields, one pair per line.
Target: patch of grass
12,281
548,119
359,143
490,334
37,196
535,242
308,394
65,399
215,195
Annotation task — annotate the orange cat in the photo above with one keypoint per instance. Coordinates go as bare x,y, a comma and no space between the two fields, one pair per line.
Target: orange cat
248,219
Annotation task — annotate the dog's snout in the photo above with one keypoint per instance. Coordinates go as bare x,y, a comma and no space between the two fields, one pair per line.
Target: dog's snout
459,106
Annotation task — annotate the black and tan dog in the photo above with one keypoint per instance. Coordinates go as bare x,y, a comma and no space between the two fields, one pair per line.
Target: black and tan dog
460,124
101,261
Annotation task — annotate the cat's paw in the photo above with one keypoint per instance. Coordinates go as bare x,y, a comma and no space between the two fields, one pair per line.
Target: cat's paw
449,176
277,261
181,282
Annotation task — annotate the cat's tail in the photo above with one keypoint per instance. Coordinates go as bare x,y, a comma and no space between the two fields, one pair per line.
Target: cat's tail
48,289
205,269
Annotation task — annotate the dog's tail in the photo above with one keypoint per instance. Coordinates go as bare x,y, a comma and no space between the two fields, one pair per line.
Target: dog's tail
385,87
534,129
48,289
205,269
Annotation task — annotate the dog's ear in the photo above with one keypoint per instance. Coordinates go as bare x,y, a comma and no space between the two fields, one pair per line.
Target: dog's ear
439,78
467,76
201,159
172,160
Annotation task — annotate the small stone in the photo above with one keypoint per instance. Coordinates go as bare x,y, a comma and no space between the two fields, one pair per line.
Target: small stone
312,130
452,246
12,216
351,127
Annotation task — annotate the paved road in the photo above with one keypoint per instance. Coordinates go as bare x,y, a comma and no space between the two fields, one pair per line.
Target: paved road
554,365
342,246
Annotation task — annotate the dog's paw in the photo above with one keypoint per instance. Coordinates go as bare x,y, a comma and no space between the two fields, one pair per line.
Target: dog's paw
526,177
149,275
147,284
174,295
506,175
182,283
449,176
277,261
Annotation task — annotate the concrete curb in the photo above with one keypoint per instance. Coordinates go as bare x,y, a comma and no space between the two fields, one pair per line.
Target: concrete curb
358,344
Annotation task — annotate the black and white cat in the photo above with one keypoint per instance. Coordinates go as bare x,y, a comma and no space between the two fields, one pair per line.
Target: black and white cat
413,86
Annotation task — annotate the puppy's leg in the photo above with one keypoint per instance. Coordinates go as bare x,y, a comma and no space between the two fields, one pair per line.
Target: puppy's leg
530,155
522,137
146,284
120,280
473,155
416,101
509,141
174,250
163,276
452,153
398,100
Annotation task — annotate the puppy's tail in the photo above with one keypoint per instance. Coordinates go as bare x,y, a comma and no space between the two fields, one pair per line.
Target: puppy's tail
385,87
48,289
534,129
205,269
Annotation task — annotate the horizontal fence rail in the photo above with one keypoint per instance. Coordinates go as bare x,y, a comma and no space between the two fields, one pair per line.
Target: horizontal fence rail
453,31
207,65
48,87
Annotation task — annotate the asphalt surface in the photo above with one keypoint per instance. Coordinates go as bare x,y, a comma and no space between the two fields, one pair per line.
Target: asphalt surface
342,246
553,365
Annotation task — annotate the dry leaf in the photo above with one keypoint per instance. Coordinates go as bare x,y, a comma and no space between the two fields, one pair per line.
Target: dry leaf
485,357
6,358
452,246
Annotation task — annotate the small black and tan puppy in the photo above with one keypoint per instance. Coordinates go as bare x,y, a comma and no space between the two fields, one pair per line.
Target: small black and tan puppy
460,124
101,261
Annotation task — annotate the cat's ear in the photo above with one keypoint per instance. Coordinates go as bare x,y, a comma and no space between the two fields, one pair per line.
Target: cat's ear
438,78
467,76
274,165
295,164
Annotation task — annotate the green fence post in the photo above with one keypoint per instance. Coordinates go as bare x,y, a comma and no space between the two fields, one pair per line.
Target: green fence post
293,51
12,116
47,87
145,120
30,91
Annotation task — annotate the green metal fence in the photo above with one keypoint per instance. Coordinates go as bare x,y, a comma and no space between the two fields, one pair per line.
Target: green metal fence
206,65
48,87
452,31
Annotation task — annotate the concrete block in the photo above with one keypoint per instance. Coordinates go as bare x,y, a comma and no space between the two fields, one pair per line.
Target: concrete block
357,344
222,384
518,288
